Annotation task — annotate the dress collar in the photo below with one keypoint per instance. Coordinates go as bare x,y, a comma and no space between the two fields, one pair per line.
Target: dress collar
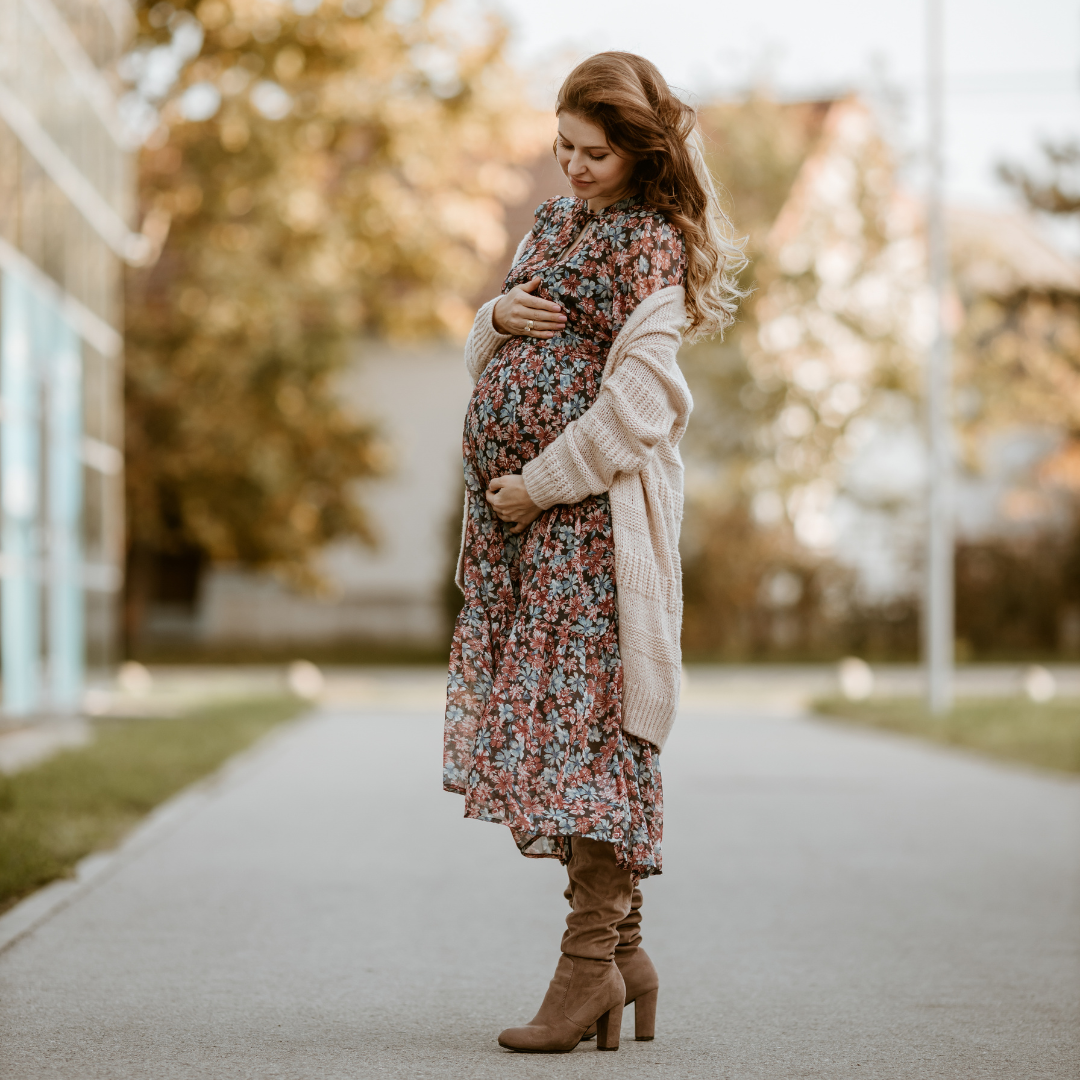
615,207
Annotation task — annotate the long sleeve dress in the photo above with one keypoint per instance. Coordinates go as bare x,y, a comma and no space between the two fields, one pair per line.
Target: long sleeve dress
533,730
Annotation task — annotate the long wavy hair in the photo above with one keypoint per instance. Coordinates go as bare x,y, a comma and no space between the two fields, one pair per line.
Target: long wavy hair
626,96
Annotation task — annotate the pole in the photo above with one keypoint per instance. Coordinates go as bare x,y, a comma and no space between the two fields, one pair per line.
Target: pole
938,578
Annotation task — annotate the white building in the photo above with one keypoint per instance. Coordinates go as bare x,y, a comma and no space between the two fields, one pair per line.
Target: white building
394,591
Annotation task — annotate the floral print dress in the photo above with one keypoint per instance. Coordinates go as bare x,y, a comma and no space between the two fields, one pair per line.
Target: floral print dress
533,734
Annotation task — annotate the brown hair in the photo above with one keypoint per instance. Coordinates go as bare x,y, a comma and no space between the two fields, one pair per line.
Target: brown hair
627,96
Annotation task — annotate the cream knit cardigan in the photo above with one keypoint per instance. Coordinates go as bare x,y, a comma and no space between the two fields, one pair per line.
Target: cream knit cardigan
626,444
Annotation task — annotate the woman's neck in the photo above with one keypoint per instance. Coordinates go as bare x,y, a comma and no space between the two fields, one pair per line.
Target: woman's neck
602,202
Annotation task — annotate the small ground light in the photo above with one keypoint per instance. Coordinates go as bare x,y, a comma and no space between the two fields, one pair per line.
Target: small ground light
305,679
856,678
96,702
1039,684
134,678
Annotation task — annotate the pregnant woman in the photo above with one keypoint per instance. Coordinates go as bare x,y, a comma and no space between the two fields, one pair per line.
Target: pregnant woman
564,669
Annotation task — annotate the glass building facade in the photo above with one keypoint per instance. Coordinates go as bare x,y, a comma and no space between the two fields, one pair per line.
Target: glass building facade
65,201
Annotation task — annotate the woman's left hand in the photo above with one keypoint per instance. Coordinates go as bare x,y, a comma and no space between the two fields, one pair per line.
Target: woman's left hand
511,502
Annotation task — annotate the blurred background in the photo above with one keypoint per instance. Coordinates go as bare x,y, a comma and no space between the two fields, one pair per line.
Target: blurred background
241,243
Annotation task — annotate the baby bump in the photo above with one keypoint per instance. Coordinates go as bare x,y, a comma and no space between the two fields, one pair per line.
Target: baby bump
498,436
525,398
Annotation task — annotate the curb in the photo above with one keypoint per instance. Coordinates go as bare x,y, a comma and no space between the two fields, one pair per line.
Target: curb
31,913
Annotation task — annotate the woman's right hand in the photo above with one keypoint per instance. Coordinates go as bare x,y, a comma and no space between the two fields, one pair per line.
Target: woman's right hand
518,312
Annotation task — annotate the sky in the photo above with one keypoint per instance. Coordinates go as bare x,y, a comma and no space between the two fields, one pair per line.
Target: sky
1012,66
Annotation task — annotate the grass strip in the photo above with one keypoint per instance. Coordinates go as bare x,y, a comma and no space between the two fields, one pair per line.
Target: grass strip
1014,729
86,799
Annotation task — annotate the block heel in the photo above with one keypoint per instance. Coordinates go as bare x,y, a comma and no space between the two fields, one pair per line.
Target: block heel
608,1028
645,1016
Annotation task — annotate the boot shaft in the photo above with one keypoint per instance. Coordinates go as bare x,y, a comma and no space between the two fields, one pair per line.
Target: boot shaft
602,893
629,929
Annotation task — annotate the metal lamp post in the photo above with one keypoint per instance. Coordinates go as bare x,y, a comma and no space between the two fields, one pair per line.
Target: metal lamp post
938,578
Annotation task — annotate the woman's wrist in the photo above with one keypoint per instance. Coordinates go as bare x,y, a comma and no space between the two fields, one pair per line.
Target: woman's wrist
538,483
495,318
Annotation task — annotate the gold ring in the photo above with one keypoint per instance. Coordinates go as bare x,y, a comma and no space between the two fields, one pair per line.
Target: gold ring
528,326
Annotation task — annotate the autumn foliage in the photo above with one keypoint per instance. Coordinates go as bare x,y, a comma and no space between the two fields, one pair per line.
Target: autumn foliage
323,173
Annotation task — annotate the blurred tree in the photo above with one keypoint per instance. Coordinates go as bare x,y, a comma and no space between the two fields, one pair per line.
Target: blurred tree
323,171
755,148
1057,191
822,352
1021,338
1016,596
1018,367
1018,364
807,413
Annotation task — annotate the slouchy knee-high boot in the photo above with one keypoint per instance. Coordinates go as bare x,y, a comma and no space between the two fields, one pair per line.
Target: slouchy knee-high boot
639,975
587,988
642,982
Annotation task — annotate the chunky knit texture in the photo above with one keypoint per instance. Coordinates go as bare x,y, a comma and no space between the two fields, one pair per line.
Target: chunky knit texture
627,444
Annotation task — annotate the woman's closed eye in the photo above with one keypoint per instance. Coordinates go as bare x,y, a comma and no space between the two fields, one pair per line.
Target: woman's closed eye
592,157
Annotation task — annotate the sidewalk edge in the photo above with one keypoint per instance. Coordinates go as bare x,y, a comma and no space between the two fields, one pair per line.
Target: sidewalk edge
36,909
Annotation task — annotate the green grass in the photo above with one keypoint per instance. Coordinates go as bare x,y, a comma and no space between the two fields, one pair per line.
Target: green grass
87,799
1015,729
357,653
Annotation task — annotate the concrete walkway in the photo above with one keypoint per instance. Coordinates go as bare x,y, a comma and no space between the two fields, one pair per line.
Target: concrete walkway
836,903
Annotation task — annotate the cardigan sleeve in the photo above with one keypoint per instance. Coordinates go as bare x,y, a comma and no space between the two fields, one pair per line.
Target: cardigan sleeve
637,407
484,341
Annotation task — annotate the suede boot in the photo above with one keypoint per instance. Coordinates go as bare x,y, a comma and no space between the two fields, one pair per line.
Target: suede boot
642,982
587,988
639,975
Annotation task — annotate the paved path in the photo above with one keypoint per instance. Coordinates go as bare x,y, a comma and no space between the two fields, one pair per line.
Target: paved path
838,903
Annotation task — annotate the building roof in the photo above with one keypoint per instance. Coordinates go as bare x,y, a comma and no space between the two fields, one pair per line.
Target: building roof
1002,252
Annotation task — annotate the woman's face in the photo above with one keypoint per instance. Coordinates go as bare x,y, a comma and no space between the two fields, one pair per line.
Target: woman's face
596,172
